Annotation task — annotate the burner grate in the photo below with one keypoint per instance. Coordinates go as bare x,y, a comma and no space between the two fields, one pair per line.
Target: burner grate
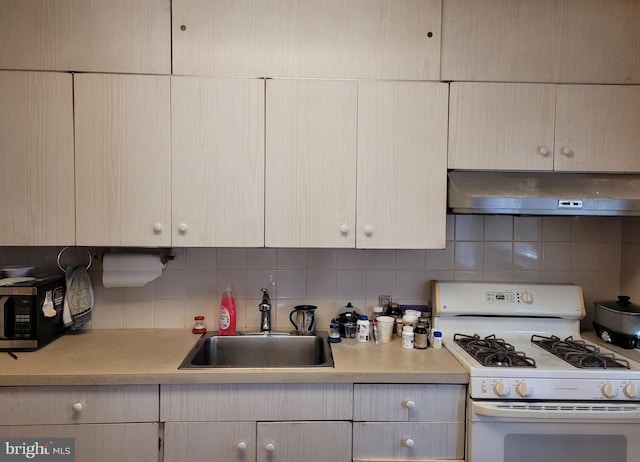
491,351
578,353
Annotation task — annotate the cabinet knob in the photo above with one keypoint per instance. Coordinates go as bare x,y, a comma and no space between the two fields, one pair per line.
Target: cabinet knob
182,227
242,446
157,227
566,151
77,407
409,404
270,447
408,443
543,151
368,230
344,229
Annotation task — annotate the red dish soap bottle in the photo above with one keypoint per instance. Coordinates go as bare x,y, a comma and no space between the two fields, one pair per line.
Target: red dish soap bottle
228,313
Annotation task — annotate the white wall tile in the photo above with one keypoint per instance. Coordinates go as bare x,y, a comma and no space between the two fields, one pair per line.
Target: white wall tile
556,256
469,256
262,258
169,314
138,314
197,258
351,284
469,228
441,259
527,228
291,258
556,229
498,256
410,259
381,259
498,228
321,284
351,259
586,229
292,284
321,259
527,256
231,258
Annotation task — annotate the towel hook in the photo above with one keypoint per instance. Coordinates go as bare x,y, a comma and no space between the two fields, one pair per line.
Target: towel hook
65,248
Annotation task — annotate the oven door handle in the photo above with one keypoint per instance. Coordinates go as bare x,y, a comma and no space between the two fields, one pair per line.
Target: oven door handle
582,412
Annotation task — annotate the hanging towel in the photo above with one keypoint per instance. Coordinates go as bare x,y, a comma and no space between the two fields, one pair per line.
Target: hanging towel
78,300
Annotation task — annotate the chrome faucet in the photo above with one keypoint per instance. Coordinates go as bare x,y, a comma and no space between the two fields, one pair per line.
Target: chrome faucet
265,312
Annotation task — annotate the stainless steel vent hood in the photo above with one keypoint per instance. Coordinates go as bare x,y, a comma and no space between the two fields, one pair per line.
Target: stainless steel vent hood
543,193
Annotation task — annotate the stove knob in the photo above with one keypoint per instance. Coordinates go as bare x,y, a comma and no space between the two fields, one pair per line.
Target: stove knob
631,390
523,389
609,390
526,297
501,389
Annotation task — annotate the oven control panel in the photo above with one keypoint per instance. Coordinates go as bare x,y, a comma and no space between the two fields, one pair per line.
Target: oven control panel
509,296
556,389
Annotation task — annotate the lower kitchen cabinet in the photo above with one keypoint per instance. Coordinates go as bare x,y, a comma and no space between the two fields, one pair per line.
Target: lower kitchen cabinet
107,423
257,422
419,422
258,441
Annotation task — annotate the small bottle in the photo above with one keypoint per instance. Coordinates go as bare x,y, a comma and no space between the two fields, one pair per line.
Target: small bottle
407,337
198,326
437,339
334,333
228,313
421,340
362,329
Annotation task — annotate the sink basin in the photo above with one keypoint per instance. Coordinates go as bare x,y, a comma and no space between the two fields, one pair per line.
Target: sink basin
259,351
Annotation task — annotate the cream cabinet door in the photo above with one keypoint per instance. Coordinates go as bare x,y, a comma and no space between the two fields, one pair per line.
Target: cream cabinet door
402,164
218,161
540,40
132,36
380,39
207,441
598,128
303,441
501,126
136,442
123,149
36,146
310,163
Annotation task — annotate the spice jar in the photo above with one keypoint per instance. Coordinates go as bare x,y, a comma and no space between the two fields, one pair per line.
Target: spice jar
198,327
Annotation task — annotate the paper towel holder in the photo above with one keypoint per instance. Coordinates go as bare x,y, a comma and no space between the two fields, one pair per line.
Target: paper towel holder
165,255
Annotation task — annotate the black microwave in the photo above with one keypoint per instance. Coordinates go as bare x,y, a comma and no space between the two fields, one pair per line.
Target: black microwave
31,313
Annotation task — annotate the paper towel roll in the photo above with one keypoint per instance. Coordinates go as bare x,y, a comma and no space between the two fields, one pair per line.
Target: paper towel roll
130,270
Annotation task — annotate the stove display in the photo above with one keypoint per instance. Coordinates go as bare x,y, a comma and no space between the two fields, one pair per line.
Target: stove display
493,352
578,353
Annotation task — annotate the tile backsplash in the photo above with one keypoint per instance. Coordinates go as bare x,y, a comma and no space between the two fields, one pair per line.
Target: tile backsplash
581,250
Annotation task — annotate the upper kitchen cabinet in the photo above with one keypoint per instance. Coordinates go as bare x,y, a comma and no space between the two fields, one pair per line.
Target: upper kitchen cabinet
36,146
127,36
501,126
218,161
598,128
310,163
573,128
402,164
376,39
123,160
571,41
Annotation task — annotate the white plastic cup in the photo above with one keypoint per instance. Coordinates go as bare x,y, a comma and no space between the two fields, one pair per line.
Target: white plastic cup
385,328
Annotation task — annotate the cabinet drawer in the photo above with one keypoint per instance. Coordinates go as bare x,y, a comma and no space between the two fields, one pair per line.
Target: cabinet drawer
291,401
414,402
408,441
78,404
136,442
192,441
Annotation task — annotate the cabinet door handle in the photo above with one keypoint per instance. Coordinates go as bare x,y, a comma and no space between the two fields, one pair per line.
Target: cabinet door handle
408,443
368,230
270,447
182,227
157,227
77,407
242,446
409,404
543,151
566,151
344,229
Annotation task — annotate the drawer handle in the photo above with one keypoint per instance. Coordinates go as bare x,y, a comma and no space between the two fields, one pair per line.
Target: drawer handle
242,446
408,443
270,447
77,407
409,404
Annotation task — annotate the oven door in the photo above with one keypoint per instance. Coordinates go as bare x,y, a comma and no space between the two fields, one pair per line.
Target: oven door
553,432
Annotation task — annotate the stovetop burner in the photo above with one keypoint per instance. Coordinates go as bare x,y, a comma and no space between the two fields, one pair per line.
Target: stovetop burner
579,353
493,352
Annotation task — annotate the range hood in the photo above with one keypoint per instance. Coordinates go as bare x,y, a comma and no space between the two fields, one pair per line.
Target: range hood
543,193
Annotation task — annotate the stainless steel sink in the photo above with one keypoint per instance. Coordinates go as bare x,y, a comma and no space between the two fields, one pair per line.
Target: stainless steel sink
258,350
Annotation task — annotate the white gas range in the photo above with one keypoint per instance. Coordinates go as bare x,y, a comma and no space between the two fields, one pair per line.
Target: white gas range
522,396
